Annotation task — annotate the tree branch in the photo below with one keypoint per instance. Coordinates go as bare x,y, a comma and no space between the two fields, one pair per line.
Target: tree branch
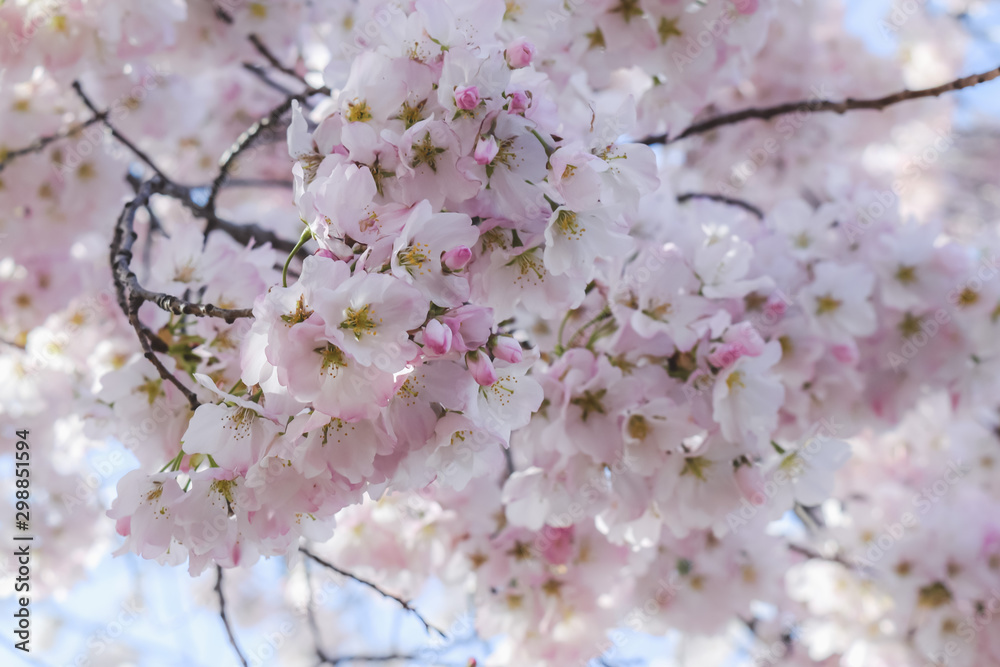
121,260
403,603
275,63
40,143
732,201
817,106
225,619
121,247
115,133
328,660
250,137
240,232
809,553
261,74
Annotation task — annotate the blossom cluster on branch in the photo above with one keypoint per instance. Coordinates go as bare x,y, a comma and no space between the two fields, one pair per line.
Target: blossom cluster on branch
496,294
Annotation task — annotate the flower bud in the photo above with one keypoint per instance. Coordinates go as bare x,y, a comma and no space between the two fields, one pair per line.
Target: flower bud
508,349
517,102
746,337
471,326
457,258
751,484
437,337
845,354
486,150
481,368
467,97
519,53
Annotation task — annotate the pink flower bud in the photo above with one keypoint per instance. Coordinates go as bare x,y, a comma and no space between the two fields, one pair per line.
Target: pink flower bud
323,252
519,53
745,335
746,6
775,307
845,354
437,337
486,150
481,368
751,484
558,544
457,258
725,355
517,102
508,349
471,326
467,97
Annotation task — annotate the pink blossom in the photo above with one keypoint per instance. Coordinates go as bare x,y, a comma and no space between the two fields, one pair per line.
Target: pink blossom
518,102
481,367
506,348
486,149
471,326
457,258
467,97
558,544
751,483
520,52
437,337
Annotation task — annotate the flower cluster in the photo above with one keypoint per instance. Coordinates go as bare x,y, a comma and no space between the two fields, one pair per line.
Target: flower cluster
571,374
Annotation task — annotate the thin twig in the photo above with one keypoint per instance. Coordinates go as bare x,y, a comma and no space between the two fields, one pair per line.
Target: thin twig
275,63
121,259
40,143
115,133
121,247
403,603
241,232
732,201
328,660
225,619
250,137
817,106
261,74
258,183
809,553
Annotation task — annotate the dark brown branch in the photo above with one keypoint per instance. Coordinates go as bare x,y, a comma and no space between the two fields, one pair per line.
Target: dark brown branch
817,106
241,232
328,660
261,73
40,143
403,603
250,137
225,619
121,260
275,63
809,553
115,133
732,201
121,246
258,183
